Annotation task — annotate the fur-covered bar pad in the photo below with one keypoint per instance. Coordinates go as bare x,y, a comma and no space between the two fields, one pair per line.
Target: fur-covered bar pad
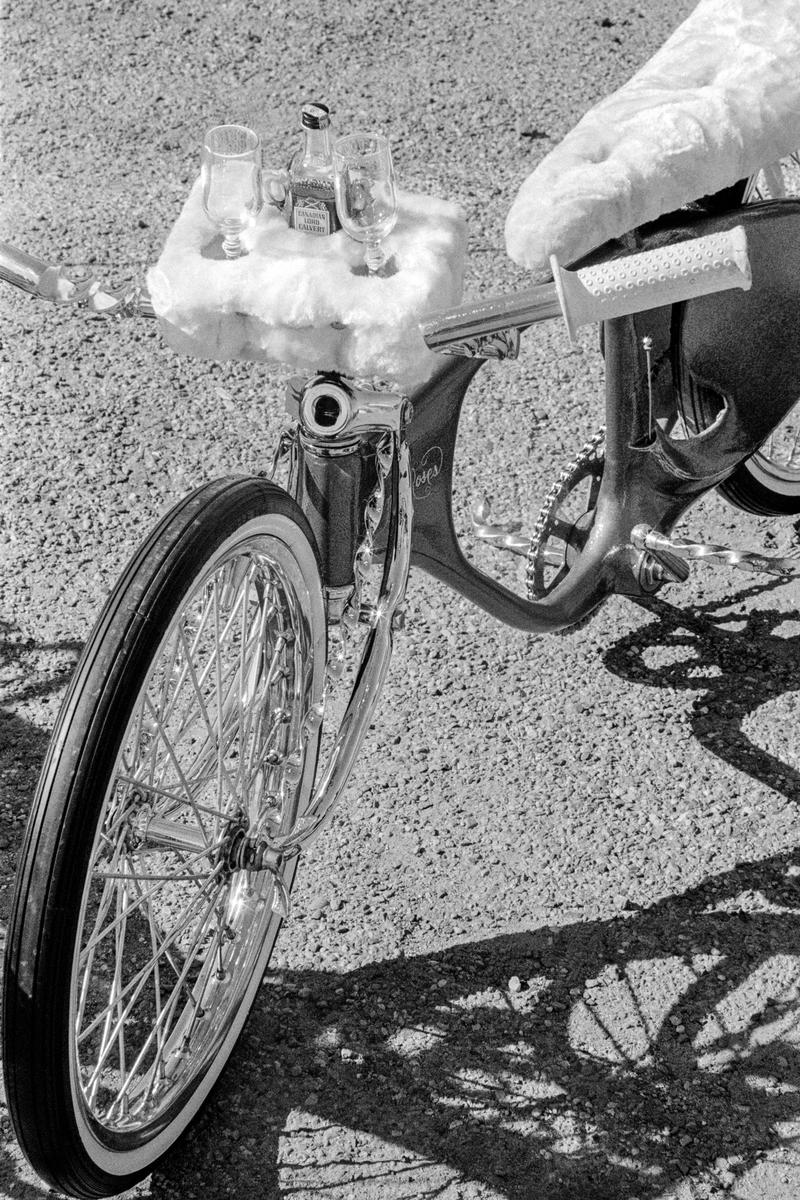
304,300
720,99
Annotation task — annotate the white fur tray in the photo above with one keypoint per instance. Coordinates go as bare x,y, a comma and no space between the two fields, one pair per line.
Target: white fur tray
295,299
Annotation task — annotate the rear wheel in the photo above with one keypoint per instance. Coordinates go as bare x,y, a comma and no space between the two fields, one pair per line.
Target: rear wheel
143,919
768,483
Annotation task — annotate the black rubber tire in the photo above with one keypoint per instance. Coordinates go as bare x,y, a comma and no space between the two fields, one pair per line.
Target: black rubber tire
756,487
50,1102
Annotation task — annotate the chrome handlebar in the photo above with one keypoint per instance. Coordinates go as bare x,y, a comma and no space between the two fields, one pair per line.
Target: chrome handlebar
48,282
635,283
683,270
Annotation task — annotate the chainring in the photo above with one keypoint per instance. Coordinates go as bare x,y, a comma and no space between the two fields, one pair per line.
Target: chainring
565,519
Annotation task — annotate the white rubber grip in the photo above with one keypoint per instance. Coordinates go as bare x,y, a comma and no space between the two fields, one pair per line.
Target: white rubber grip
653,278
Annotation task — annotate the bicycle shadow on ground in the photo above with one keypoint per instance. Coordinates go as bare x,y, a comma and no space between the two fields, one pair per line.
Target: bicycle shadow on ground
30,672
635,1051
737,662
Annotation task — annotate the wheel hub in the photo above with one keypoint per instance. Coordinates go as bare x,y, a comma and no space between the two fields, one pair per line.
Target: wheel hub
243,853
238,851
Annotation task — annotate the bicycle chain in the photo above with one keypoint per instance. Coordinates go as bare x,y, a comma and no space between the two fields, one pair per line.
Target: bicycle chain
541,529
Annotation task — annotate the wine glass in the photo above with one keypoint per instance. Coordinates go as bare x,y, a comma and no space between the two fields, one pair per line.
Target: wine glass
231,172
365,194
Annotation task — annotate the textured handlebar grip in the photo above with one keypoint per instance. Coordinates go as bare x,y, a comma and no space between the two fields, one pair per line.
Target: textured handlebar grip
654,278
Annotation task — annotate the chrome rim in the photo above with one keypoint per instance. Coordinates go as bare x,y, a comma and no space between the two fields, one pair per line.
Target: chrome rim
775,181
174,925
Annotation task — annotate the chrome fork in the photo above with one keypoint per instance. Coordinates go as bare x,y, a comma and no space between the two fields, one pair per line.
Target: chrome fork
330,410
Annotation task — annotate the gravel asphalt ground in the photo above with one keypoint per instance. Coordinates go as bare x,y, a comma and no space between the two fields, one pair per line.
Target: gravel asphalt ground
544,951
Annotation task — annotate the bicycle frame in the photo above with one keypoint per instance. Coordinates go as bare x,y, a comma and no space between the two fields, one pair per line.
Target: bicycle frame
744,348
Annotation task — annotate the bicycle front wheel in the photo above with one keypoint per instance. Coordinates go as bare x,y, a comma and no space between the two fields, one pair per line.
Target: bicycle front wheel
143,917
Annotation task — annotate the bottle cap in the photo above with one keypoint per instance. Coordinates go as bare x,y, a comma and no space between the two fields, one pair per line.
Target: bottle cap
315,116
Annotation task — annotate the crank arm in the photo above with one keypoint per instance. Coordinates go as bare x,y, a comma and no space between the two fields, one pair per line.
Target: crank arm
661,547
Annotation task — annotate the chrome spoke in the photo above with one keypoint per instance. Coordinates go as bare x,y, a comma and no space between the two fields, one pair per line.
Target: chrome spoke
253,714
134,985
241,680
172,755
781,451
218,684
173,799
146,897
112,1034
107,898
158,1030
212,734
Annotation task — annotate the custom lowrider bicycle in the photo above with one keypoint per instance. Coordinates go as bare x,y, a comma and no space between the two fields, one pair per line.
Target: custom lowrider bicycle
190,766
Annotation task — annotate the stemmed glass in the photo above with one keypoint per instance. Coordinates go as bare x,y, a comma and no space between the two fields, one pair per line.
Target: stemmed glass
231,172
365,194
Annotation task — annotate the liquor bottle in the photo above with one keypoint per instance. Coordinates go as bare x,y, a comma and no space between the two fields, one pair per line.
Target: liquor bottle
311,206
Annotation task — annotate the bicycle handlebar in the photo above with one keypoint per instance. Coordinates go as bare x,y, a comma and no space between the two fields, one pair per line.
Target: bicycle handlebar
616,288
48,282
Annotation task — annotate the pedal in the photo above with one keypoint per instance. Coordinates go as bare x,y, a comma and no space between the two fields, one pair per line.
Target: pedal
668,551
504,535
672,568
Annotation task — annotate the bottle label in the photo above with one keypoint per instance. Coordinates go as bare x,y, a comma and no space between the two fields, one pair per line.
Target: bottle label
313,208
